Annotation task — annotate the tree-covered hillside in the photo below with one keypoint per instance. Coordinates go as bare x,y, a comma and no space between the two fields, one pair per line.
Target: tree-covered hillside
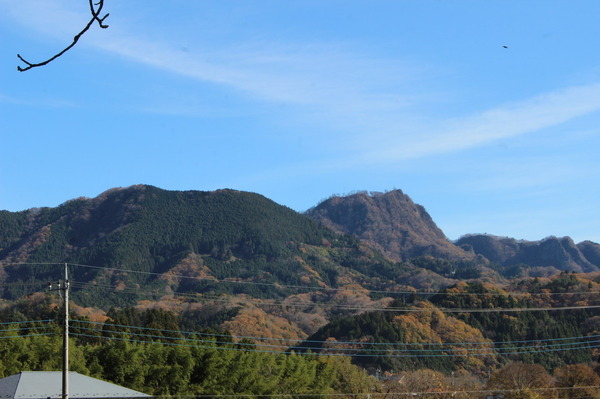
241,280
474,327
182,242
153,352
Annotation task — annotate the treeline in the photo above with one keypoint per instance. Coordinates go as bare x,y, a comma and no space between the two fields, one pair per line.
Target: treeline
189,369
160,360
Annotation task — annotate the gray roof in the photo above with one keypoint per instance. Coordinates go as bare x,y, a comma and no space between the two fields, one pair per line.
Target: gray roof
48,384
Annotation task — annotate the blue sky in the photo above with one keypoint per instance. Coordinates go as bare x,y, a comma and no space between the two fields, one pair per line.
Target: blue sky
299,100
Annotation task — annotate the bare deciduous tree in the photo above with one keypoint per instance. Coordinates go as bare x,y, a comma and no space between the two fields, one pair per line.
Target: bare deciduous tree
95,9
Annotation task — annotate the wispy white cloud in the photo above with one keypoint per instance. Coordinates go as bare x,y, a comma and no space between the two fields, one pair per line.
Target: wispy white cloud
521,176
56,19
371,100
348,91
327,82
543,111
8,99
37,102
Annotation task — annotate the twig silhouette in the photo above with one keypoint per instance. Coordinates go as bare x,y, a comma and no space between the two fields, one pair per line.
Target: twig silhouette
95,9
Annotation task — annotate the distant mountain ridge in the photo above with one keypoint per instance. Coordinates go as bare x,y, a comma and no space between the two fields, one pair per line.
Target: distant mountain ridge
561,254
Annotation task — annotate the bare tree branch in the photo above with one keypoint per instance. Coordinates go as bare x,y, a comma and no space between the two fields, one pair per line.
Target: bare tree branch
95,9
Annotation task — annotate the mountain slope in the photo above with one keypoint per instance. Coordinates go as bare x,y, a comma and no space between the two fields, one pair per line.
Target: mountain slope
390,222
185,241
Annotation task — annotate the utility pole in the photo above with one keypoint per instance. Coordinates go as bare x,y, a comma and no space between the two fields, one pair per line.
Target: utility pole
64,287
65,388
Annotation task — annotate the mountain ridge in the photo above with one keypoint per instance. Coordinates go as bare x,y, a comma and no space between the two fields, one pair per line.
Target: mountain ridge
389,222
233,234
560,253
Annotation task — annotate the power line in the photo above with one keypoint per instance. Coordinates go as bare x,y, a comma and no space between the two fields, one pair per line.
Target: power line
320,288
280,395
3,264
26,321
453,348
356,352
384,394
240,348
517,350
274,302
532,341
26,336
25,329
314,288
279,285
384,352
12,285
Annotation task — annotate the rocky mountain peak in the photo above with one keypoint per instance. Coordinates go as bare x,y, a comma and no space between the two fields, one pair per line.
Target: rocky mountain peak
390,221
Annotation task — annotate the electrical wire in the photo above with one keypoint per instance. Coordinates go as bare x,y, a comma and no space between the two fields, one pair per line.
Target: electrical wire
320,288
371,394
329,342
450,351
2,264
385,352
461,310
16,332
27,321
313,288
12,285
270,302
516,350
241,348
26,336
25,329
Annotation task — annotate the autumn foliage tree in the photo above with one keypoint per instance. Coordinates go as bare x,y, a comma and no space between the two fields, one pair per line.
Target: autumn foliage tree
522,381
577,381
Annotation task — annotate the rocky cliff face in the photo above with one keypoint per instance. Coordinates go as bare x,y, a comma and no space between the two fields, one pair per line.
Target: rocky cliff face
560,253
390,222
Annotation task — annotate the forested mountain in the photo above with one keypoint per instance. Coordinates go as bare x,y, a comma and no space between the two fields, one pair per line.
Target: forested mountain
217,235
368,276
146,244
